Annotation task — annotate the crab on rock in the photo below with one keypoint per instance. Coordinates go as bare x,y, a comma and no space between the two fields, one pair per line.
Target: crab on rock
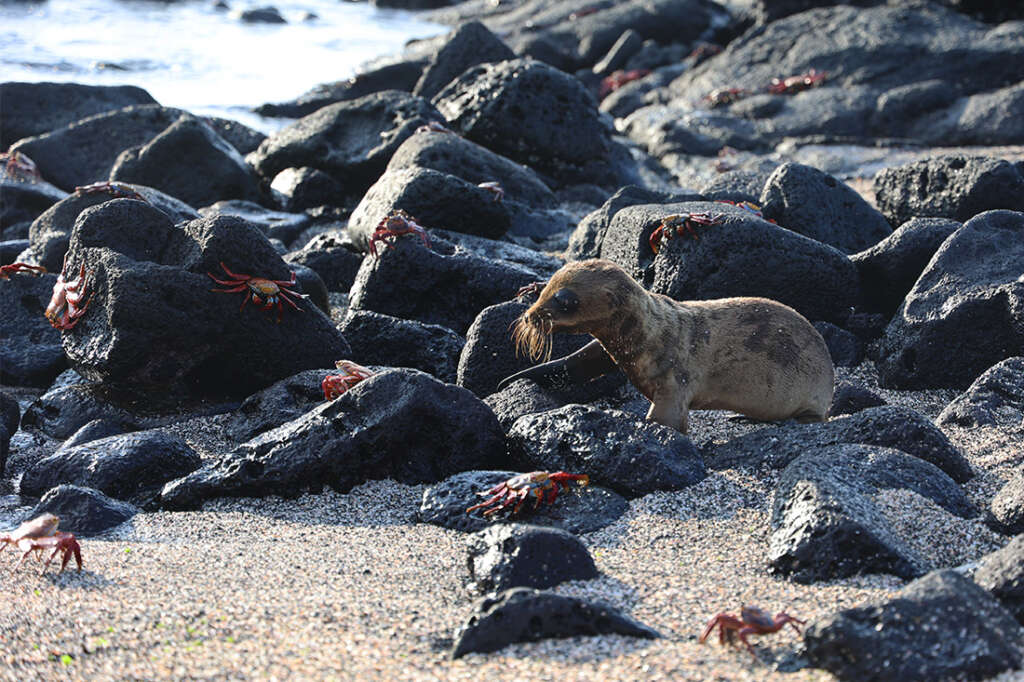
14,268
394,225
752,621
540,485
336,384
40,534
18,165
265,293
66,305
118,190
495,188
681,223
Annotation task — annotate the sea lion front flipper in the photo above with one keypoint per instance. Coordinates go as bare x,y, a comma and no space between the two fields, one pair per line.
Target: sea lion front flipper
589,362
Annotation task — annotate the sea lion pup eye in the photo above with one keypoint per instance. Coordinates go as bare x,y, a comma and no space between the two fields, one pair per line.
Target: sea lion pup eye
566,301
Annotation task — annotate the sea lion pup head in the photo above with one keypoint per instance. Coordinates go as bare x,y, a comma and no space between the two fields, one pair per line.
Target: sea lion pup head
579,298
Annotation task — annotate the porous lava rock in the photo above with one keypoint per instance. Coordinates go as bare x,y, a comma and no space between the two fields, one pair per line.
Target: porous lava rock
521,555
378,339
996,398
83,511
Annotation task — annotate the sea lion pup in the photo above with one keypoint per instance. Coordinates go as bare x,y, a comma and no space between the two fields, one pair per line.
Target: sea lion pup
754,356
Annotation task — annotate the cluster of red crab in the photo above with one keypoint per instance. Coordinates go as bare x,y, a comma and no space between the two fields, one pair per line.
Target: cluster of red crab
40,534
778,86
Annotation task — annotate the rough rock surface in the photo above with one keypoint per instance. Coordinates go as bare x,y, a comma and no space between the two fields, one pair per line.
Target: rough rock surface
953,187
152,288
889,269
378,339
527,615
31,353
1002,574
618,450
191,162
741,256
400,424
1008,505
29,109
470,44
965,312
825,524
521,555
887,426
351,141
84,511
278,403
942,626
577,510
442,285
996,398
131,466
817,205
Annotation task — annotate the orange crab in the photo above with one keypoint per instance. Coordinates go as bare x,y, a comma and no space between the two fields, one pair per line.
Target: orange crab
394,225
752,621
336,384
540,485
681,223
265,293
66,305
40,534
798,83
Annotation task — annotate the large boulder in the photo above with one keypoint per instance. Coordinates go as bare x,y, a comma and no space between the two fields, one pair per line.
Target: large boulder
470,44
150,286
954,187
889,269
966,311
442,285
815,204
131,466
455,155
191,162
533,114
351,141
742,255
401,424
434,199
50,233
85,151
31,353
1002,574
942,626
826,524
83,511
29,109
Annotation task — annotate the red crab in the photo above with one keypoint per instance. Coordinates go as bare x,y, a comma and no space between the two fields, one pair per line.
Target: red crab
752,621
702,51
748,207
495,188
681,223
393,226
723,96
118,190
336,384
40,534
265,293
7,270
531,290
541,485
616,79
17,164
799,83
66,307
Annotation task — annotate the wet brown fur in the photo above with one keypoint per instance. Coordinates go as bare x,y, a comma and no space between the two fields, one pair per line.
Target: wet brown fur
754,356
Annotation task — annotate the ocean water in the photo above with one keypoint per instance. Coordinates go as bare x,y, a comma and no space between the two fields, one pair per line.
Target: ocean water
189,54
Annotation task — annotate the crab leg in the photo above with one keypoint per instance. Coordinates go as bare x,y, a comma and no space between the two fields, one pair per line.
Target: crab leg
486,503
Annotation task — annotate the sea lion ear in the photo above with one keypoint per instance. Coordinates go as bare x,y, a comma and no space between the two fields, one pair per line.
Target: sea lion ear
566,301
